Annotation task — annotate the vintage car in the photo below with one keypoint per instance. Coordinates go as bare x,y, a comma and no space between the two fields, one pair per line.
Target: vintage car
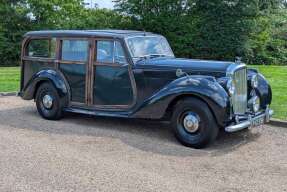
133,74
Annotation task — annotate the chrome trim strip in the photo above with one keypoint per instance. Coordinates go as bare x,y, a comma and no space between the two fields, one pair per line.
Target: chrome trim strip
234,67
238,127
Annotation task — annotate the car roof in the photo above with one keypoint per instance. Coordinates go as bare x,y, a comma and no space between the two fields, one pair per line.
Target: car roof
87,33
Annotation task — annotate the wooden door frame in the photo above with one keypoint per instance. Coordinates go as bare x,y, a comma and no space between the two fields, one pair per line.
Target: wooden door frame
93,65
60,61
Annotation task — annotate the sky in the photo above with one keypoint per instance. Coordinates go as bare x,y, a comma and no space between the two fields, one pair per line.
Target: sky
102,3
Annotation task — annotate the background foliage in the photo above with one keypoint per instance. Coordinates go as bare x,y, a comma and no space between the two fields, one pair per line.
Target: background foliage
253,29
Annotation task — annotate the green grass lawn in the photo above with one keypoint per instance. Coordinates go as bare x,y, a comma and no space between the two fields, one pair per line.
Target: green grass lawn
9,79
276,75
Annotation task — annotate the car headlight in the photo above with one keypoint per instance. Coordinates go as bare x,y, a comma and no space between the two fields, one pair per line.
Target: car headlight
254,81
230,87
254,104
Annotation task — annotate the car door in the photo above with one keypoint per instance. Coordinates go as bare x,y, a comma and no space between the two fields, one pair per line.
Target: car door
112,82
74,57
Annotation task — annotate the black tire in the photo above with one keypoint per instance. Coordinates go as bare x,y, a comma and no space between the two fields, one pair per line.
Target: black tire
207,130
55,111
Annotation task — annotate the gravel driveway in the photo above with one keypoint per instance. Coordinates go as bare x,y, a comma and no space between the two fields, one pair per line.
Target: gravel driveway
81,153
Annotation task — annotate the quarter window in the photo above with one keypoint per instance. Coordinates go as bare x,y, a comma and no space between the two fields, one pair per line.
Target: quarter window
44,48
75,50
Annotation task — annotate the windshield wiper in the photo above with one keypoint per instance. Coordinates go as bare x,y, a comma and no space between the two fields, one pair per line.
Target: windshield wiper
158,55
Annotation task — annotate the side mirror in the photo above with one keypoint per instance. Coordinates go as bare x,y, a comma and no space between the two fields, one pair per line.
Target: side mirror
179,73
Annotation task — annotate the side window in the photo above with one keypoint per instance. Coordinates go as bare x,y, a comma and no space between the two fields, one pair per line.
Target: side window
119,53
105,51
45,48
75,50
110,52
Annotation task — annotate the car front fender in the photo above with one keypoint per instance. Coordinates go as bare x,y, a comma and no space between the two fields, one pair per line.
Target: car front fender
263,90
204,87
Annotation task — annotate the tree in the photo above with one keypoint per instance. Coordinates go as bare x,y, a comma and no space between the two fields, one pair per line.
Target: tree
13,23
101,19
55,14
167,17
268,44
199,29
268,41
213,29
253,29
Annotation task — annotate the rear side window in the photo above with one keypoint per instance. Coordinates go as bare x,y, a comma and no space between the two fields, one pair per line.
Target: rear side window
44,48
75,50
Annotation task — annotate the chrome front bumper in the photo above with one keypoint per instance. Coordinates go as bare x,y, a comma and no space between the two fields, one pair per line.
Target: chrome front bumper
251,121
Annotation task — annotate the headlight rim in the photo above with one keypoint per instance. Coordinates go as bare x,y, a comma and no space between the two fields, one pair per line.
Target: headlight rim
254,81
230,87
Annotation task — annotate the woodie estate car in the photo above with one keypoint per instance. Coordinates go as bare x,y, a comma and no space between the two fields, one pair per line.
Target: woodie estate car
134,74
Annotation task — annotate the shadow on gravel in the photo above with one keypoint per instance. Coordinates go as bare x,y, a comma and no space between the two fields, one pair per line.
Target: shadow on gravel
150,136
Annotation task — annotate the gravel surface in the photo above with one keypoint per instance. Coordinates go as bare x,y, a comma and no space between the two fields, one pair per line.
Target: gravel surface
82,153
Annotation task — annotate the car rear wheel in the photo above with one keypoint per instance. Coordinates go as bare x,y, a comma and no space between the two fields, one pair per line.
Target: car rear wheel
48,102
193,123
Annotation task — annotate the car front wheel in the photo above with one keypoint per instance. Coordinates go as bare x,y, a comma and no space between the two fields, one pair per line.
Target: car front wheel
193,123
48,102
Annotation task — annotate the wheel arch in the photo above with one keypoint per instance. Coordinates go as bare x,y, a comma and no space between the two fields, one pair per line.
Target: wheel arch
52,76
179,98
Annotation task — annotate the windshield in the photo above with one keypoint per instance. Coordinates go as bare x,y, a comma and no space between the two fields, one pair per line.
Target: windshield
149,46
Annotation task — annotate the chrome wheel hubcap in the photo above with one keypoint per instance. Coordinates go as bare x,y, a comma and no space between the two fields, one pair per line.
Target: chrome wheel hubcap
191,123
47,101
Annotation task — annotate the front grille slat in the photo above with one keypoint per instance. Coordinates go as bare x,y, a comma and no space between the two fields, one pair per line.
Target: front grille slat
239,99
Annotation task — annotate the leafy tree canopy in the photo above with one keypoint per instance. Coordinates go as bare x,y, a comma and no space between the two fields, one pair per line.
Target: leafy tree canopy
217,29
209,29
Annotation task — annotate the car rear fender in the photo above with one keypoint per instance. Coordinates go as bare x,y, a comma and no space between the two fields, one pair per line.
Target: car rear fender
47,75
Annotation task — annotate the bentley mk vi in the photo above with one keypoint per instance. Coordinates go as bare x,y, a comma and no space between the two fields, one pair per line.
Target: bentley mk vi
133,74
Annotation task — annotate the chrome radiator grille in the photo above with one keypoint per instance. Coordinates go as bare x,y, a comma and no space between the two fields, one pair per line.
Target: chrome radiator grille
239,99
